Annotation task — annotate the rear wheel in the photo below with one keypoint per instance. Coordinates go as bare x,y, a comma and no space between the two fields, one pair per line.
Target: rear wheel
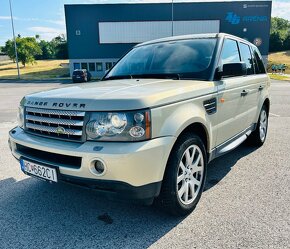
184,176
258,137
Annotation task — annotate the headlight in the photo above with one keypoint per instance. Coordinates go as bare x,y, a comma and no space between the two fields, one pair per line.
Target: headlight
20,116
119,126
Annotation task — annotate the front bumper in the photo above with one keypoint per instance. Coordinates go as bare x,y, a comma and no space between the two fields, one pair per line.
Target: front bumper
135,168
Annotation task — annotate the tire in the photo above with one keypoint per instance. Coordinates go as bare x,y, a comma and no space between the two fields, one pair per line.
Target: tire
258,137
183,185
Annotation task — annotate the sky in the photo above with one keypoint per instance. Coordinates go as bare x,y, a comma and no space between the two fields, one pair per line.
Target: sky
46,17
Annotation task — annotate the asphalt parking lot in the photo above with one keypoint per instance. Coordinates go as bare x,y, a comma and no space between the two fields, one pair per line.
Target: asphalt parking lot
246,203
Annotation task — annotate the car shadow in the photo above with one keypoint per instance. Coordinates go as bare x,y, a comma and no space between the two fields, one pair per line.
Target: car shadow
36,214
221,166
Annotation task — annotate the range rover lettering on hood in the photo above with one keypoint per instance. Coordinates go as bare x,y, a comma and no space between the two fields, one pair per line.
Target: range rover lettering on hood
56,104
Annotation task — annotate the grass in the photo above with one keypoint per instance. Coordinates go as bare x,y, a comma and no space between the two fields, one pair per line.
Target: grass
42,69
279,58
278,77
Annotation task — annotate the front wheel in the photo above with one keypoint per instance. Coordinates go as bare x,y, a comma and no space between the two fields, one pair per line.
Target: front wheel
184,176
258,137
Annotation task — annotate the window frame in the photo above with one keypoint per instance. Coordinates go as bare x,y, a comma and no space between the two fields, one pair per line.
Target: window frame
220,64
252,57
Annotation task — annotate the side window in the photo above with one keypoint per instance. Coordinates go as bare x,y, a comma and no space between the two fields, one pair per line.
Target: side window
99,66
230,52
247,57
92,66
259,65
84,65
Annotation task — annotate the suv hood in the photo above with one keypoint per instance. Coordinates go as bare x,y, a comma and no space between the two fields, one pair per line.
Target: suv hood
125,94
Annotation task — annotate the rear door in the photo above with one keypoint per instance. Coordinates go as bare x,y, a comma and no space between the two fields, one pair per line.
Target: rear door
251,86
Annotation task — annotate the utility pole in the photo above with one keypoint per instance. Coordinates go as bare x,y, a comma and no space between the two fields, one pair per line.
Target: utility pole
15,46
172,17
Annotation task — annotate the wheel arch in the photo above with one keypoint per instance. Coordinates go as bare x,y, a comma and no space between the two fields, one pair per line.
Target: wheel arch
267,104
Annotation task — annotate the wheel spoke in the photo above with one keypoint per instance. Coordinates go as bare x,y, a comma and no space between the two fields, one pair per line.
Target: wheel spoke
181,190
180,178
181,165
197,161
195,181
186,192
188,157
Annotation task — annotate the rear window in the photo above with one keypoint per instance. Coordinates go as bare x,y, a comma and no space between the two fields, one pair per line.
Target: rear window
78,73
259,65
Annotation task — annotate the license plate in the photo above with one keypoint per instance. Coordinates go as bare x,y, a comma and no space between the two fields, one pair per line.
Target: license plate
41,171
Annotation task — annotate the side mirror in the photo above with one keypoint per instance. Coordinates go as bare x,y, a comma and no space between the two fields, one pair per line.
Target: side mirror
234,69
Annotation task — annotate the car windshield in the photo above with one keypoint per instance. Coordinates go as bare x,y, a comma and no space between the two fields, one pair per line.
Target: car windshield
182,59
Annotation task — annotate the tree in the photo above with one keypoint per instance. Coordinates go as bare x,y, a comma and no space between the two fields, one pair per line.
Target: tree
27,49
276,42
279,34
48,51
60,45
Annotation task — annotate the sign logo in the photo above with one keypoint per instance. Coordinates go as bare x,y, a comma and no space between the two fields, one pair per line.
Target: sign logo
60,130
258,42
233,18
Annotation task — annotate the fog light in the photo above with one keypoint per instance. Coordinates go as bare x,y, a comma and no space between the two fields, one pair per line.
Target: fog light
99,167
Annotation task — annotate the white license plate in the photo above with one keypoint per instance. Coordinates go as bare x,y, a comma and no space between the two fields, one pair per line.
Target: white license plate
41,171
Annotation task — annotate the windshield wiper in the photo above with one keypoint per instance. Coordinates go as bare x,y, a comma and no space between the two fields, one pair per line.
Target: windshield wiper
174,76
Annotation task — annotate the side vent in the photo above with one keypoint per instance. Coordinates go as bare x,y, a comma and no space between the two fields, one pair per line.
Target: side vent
210,106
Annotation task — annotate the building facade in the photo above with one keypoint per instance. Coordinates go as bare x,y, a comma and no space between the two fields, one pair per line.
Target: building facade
99,34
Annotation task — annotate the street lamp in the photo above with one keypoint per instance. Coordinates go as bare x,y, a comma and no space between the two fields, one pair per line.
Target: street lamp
15,46
172,17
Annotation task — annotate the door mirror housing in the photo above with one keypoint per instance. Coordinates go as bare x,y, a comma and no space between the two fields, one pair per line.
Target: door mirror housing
231,70
234,69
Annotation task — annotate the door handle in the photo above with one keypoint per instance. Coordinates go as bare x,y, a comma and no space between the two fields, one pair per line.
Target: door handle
244,93
260,88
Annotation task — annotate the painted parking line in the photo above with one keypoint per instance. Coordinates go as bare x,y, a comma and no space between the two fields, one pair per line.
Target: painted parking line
275,115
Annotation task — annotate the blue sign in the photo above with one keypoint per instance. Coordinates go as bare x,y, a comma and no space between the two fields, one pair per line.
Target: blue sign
235,19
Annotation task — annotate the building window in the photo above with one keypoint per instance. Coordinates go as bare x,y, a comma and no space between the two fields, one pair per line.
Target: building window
108,65
76,66
99,66
84,65
92,66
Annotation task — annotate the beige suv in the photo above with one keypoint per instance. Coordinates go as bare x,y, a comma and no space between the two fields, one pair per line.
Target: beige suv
148,130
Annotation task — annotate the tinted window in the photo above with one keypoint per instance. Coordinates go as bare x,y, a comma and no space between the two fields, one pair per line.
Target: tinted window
99,66
79,72
92,66
77,66
187,58
259,65
84,65
230,52
247,57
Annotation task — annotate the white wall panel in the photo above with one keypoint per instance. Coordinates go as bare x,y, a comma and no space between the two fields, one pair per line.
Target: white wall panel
196,27
136,32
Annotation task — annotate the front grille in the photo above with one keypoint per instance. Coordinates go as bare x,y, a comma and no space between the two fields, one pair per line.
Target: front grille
59,124
48,157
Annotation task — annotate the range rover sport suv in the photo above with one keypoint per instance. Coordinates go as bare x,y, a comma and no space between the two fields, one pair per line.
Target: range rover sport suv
148,130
